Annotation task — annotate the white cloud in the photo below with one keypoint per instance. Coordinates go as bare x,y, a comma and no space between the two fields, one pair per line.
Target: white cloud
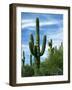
49,23
32,23
28,25
56,36
26,21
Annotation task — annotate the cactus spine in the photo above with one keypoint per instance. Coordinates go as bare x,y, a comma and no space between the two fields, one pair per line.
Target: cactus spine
35,49
23,60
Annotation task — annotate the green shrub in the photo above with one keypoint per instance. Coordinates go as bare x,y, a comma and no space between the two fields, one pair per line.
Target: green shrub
27,71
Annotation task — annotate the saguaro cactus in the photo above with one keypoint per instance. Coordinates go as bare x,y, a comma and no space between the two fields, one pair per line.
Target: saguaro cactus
51,49
30,59
23,60
35,49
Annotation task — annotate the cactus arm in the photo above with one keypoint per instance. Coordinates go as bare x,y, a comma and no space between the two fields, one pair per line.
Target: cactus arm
43,46
31,48
31,44
31,39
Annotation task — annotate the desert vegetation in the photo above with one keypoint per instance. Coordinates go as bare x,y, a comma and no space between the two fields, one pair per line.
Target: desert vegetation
51,65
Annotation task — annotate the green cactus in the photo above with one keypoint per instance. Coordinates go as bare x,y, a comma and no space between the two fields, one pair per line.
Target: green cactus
30,59
23,60
51,48
35,49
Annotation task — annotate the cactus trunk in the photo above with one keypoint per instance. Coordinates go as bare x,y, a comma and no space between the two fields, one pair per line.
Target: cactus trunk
35,49
37,44
37,61
37,65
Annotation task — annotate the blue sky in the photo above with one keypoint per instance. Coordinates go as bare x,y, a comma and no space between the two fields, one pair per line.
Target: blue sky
51,25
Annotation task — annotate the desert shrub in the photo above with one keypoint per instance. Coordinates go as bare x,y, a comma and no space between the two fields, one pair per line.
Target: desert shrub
27,71
53,64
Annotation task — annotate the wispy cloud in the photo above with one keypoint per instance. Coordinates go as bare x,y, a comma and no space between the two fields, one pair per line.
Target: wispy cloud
26,21
32,23
56,36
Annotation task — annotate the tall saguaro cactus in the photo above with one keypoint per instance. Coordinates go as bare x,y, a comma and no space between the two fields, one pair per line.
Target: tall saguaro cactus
23,59
35,49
